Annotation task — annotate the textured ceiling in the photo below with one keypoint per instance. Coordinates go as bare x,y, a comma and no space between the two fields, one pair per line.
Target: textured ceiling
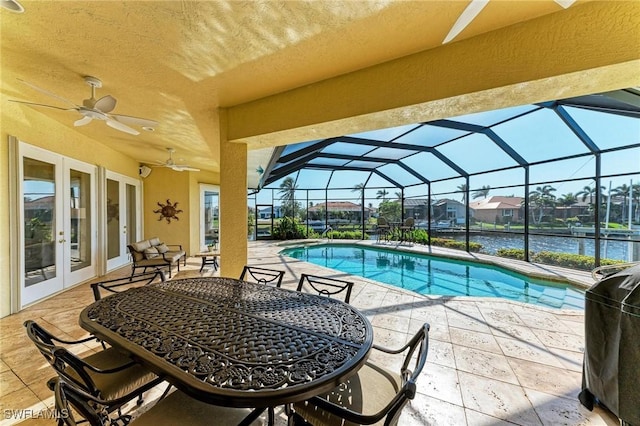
177,61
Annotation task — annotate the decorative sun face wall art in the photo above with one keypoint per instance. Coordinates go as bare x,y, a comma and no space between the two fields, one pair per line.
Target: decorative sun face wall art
168,211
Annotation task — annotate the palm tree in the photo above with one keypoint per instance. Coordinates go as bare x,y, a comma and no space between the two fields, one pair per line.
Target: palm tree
399,195
359,188
482,192
287,194
382,193
590,192
567,200
542,197
463,188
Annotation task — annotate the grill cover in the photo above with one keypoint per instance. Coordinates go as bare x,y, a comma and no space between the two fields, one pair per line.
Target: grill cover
611,369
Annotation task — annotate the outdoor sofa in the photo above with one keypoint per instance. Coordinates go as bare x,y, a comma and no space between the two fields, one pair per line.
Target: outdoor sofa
153,253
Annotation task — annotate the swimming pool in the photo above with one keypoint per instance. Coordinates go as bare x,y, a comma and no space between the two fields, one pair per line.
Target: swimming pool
431,275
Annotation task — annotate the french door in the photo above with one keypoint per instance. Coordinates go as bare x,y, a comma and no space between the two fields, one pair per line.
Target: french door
57,198
123,217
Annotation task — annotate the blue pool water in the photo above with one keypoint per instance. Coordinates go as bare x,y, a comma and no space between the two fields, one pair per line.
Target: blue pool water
432,275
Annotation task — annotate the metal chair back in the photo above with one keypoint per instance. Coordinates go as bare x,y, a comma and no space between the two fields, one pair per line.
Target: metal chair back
261,275
112,286
325,286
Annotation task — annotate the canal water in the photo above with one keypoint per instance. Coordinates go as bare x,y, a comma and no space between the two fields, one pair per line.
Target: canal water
619,250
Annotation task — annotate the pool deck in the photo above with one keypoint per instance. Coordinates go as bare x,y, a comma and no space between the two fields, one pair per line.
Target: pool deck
490,361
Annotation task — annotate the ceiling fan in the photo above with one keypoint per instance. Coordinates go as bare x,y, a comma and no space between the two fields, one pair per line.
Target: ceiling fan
173,166
473,9
95,109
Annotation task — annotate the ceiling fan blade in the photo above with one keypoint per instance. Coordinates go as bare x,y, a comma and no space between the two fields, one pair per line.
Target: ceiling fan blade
122,127
43,105
184,168
468,15
83,121
565,3
105,104
46,92
135,121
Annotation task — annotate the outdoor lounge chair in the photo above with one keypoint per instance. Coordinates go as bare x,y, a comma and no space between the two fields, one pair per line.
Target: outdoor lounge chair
372,396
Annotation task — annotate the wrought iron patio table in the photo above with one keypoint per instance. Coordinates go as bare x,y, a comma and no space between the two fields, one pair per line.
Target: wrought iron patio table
234,343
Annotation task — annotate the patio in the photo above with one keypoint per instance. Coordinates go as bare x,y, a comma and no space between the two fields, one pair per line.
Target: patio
490,362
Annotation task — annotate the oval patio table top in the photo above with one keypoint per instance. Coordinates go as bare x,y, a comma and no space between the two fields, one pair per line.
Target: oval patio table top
233,343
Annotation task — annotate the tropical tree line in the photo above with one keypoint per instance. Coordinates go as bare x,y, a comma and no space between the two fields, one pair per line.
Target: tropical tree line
542,200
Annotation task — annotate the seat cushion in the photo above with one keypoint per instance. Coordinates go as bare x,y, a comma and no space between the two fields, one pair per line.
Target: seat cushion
174,256
368,392
140,246
162,248
156,261
115,385
180,409
151,252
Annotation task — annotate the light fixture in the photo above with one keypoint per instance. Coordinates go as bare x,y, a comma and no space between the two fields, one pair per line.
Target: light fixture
12,5
148,129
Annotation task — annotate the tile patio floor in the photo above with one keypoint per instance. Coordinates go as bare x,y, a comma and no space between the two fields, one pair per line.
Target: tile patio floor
490,361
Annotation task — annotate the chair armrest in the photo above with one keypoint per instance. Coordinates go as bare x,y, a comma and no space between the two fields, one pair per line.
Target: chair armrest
174,245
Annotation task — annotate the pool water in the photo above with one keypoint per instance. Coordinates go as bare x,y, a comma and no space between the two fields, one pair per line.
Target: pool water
430,275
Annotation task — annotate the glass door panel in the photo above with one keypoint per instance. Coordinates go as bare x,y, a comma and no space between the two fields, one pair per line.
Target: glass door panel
80,220
39,215
123,217
132,214
113,219
209,216
79,236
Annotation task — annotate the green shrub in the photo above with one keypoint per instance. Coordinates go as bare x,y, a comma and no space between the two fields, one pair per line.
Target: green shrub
511,253
569,260
289,229
458,245
347,235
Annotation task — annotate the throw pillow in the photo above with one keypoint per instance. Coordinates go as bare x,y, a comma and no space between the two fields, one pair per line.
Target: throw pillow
151,252
162,248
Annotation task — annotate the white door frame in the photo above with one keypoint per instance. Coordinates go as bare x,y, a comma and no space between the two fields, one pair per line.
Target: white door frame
123,211
61,231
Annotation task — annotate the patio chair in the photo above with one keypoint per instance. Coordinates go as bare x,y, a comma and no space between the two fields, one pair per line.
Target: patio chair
109,374
383,229
176,409
373,396
129,281
262,275
325,286
406,229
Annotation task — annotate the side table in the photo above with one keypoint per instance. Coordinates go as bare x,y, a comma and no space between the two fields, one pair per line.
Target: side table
209,258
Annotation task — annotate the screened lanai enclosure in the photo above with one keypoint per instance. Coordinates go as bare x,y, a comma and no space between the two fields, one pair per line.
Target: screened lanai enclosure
544,180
